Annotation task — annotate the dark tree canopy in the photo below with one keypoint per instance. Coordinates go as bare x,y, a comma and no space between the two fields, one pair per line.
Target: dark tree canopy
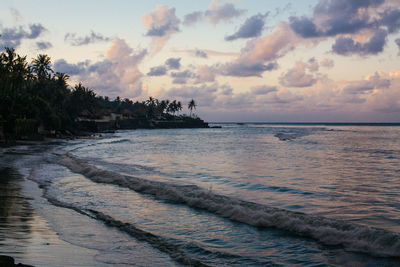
32,96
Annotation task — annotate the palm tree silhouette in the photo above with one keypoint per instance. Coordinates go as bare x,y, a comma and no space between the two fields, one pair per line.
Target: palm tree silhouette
192,105
42,66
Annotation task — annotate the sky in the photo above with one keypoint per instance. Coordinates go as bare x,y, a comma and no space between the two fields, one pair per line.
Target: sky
240,60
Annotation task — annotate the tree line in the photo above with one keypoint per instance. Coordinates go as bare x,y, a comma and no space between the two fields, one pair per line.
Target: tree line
33,95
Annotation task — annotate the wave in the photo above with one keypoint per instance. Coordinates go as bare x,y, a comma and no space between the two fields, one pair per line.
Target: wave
184,252
353,237
117,141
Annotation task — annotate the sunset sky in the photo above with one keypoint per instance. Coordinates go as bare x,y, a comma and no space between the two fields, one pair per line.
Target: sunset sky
241,60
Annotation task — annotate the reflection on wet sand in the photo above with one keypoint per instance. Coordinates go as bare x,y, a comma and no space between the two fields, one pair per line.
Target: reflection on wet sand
15,213
25,234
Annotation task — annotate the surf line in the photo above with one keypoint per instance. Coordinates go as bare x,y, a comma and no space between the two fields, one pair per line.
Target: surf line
330,232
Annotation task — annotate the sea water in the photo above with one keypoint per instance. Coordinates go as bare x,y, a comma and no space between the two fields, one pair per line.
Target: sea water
240,195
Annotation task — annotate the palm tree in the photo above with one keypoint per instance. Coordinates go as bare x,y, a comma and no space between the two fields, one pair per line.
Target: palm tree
192,105
61,79
42,66
179,106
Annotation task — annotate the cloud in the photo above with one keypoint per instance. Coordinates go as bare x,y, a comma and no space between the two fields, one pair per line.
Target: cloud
12,37
313,65
182,76
173,63
207,52
63,66
205,74
246,69
391,19
335,17
16,14
161,24
263,89
117,75
217,12
43,45
270,47
366,86
93,37
204,94
252,27
347,46
397,41
200,53
327,63
345,19
259,54
192,18
157,71
297,76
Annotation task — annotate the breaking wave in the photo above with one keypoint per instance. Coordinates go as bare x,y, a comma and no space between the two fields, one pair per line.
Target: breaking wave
352,237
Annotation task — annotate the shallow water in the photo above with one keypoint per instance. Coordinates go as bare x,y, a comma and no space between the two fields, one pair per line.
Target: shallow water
253,195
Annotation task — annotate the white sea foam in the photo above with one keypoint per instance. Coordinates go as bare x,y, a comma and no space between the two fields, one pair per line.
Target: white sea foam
351,236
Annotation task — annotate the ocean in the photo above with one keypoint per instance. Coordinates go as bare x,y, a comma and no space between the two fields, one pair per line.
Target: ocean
248,194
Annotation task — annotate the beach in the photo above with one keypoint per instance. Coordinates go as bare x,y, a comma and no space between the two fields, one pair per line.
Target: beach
169,197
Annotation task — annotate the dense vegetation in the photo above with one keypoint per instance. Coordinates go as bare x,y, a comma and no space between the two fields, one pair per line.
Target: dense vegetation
33,97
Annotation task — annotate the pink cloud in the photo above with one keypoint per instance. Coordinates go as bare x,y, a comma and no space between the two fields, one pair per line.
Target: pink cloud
297,76
161,24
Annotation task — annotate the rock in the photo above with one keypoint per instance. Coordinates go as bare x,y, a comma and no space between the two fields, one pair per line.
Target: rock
7,261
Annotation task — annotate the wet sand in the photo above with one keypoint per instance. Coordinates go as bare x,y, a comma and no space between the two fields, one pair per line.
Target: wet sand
25,234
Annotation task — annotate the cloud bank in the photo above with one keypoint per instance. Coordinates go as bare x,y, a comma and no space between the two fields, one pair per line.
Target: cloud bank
117,75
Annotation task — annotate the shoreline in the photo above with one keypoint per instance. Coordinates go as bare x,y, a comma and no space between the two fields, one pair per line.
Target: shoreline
29,224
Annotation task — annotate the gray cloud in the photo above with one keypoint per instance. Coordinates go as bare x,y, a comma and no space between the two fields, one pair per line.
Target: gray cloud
157,71
179,81
192,18
215,12
347,46
183,74
101,67
63,66
200,53
391,19
313,64
252,27
263,89
43,45
93,37
366,86
333,18
246,69
162,30
397,41
12,37
173,63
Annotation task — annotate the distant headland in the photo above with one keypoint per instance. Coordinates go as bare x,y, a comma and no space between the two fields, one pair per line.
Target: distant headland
35,103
